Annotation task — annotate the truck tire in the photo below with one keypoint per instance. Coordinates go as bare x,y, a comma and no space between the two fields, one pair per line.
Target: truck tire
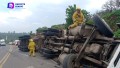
48,51
23,48
41,51
102,26
68,62
47,55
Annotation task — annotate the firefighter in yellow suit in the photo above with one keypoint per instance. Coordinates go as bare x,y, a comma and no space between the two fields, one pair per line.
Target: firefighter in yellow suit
78,18
31,47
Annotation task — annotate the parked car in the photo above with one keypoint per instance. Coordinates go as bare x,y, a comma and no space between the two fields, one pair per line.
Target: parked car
10,43
2,44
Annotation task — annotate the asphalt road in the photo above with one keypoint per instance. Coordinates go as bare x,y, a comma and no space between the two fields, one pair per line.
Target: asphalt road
11,57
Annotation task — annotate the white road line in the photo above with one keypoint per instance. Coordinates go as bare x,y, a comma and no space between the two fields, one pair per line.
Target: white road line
30,67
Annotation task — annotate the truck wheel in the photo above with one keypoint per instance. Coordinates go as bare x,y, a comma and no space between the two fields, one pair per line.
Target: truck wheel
51,51
41,50
47,55
48,51
69,61
24,50
102,26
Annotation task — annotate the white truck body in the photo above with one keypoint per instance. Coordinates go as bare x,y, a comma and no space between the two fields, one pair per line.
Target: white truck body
115,61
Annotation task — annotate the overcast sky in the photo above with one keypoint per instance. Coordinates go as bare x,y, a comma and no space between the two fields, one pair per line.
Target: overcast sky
39,13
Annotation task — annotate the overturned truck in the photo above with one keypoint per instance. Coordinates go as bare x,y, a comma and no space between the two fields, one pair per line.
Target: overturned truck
89,46
23,44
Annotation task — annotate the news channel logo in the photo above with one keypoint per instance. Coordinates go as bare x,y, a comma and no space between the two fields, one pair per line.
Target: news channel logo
12,5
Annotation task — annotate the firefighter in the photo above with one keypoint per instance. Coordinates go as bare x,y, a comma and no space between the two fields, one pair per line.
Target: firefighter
78,18
31,47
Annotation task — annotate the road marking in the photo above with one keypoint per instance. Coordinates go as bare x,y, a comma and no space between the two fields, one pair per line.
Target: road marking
30,67
10,49
5,58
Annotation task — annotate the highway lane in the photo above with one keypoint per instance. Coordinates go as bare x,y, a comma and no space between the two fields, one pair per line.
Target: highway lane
18,59
4,52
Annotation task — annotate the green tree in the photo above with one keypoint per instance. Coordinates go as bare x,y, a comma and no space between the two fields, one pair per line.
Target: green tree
110,6
41,29
69,12
86,15
117,33
112,18
59,26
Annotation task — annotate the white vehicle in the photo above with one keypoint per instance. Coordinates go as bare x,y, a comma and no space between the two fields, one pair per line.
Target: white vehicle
16,42
2,42
115,61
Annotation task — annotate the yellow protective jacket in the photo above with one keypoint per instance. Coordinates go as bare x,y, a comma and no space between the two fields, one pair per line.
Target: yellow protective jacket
31,45
77,19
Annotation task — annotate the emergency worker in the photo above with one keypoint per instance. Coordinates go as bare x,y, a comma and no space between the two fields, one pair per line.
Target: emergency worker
78,18
31,47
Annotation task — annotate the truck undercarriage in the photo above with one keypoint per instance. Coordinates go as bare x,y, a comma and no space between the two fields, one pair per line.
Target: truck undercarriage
85,46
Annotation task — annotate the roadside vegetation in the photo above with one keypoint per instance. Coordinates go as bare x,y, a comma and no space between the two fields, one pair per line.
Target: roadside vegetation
11,36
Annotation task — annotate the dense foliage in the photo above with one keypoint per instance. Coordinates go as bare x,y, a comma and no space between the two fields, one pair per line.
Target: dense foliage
69,12
117,33
59,26
41,29
111,14
112,18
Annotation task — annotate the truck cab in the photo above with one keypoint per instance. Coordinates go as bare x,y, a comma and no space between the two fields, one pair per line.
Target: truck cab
115,61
